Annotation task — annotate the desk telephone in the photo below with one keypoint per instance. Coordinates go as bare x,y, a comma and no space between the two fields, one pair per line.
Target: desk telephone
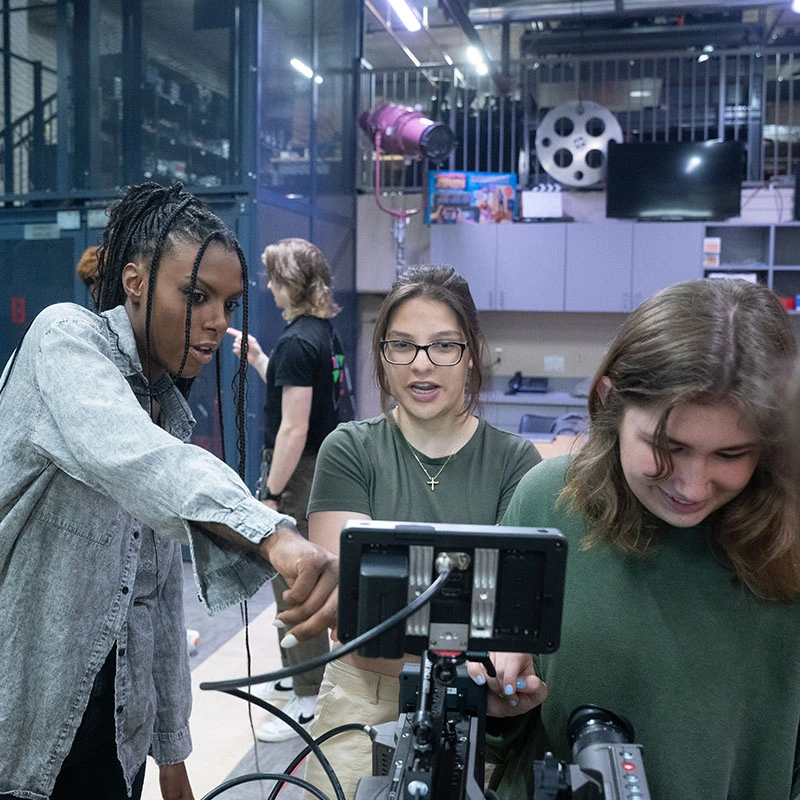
521,383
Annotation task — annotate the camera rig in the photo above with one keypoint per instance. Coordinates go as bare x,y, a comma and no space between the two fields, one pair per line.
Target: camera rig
453,593
504,592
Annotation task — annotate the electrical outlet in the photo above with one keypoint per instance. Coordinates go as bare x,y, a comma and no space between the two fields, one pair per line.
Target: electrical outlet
498,355
554,363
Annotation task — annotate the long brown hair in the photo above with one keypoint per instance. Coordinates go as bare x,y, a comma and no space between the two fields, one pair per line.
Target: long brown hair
699,342
442,284
301,267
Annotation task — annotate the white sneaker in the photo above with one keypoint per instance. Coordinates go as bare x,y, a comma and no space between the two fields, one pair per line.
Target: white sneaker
300,709
274,691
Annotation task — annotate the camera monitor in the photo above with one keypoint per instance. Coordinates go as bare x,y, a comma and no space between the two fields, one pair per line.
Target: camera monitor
504,593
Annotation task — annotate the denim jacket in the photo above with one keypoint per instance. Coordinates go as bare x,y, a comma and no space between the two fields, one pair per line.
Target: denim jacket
86,479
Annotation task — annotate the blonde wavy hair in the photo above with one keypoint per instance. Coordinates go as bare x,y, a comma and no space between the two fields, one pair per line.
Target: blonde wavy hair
705,342
303,271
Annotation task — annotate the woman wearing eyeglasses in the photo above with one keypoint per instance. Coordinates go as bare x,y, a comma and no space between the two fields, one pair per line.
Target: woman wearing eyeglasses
427,458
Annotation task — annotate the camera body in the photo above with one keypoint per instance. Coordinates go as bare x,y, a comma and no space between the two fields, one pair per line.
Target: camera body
446,760
608,765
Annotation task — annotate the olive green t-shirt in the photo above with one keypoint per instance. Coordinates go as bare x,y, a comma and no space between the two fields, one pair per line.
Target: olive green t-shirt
708,674
367,467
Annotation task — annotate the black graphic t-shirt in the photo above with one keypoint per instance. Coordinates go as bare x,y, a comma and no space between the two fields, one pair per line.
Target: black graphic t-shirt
302,357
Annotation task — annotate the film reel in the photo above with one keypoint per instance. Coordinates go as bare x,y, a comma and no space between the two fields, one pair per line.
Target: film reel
572,142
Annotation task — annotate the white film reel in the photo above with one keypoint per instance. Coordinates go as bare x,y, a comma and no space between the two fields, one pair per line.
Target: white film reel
572,142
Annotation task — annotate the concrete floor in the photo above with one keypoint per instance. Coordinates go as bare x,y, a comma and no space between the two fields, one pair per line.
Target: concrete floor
224,743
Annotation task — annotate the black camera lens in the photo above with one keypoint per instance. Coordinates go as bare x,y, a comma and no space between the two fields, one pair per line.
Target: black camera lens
591,724
437,142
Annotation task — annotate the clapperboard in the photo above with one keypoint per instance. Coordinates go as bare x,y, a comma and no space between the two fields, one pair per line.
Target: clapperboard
543,201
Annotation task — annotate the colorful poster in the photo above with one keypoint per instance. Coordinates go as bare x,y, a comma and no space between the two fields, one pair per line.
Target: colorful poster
475,198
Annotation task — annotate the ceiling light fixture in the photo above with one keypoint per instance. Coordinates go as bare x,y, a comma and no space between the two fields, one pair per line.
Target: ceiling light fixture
302,68
388,28
796,6
406,14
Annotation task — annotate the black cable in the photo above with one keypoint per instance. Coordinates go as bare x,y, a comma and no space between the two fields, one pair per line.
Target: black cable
300,730
264,776
298,759
232,686
286,672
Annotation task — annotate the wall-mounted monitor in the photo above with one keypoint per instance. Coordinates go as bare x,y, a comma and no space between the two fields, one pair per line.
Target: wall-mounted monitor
674,180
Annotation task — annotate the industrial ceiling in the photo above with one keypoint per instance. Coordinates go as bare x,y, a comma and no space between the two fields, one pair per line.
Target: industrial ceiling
504,28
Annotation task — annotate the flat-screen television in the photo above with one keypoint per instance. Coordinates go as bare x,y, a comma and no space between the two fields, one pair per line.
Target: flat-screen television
674,180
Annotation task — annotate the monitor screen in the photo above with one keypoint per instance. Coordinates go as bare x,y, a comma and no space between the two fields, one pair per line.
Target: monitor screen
674,180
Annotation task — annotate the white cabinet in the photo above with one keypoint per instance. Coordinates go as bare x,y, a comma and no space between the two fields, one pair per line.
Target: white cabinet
598,266
665,253
530,267
471,250
509,267
579,266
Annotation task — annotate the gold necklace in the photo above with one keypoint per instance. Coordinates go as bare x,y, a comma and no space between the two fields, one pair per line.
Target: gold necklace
432,482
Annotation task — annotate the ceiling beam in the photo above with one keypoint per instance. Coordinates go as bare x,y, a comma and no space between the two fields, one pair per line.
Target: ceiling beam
458,14
529,10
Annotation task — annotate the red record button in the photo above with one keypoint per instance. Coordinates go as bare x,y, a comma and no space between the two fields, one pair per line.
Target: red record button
629,766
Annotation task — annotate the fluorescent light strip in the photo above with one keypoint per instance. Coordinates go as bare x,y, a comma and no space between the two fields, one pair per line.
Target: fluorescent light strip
304,70
414,60
406,14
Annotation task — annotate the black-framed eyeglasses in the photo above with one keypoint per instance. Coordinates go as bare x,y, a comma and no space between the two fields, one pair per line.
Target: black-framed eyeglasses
441,354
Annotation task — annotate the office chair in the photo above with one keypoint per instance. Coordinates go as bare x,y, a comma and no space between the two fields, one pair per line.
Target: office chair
535,423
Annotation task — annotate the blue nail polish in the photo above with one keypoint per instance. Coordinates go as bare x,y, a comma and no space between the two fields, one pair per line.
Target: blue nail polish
512,703
520,683
509,689
480,680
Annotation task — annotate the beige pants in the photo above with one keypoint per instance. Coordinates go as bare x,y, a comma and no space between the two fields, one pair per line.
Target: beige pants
350,694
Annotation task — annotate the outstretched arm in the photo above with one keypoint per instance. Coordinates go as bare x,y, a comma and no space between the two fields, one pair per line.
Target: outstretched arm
256,357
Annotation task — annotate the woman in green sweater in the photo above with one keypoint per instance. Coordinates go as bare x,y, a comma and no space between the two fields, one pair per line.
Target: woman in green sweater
681,604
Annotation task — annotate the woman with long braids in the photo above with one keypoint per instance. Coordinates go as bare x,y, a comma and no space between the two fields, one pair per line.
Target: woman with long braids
97,490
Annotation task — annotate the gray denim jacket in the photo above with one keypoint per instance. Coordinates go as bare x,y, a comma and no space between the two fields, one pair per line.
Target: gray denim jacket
86,478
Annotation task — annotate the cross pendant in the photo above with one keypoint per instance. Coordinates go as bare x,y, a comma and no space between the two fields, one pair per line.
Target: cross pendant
432,482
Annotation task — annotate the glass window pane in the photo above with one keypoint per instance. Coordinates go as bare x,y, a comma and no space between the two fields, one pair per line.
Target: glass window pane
30,132
110,170
286,98
186,104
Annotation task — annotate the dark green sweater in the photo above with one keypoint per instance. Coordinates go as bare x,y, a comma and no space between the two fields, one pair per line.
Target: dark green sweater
708,674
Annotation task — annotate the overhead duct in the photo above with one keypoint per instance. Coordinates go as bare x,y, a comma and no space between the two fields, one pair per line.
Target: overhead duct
723,35
527,11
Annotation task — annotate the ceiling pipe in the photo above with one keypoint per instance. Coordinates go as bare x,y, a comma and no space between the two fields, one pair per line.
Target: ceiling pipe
527,11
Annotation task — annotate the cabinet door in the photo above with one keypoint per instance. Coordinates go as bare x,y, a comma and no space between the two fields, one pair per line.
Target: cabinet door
665,253
471,250
530,266
598,271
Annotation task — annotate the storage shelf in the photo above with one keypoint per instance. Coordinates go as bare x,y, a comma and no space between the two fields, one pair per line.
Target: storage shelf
771,250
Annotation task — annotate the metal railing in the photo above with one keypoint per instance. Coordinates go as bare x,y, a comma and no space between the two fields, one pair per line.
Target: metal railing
28,143
747,95
33,139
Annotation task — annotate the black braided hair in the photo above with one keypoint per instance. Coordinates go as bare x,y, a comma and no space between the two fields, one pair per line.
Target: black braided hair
143,225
